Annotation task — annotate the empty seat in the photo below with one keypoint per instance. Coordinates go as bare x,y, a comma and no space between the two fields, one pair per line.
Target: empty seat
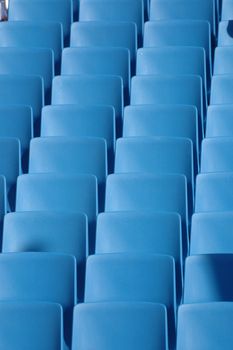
156,233
214,192
49,11
25,326
59,192
219,121
208,278
222,61
108,60
40,277
78,121
221,89
227,8
163,120
205,326
47,35
167,192
3,201
132,277
48,231
225,33
130,326
167,89
212,233
90,90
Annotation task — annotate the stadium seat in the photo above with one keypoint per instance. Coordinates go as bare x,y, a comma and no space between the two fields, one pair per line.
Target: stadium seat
227,8
208,278
77,121
163,120
136,192
56,155
214,192
168,89
29,61
48,231
219,121
108,61
222,61
113,11
131,326
103,33
3,201
88,90
205,326
23,324
47,35
59,192
221,89
212,233
49,11
124,232
37,277
225,33
133,277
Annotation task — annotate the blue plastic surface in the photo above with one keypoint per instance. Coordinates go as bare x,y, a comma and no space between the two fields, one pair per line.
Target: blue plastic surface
219,120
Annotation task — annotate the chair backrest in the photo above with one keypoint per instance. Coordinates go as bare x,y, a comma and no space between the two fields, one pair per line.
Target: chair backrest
23,324
219,121
48,231
225,33
3,201
132,326
208,323
10,155
222,60
227,8
221,89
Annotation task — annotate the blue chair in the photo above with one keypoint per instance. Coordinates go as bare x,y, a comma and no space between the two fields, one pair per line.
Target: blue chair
42,35
131,326
219,121
56,155
3,202
227,8
225,33
43,277
174,60
113,11
222,60
108,60
59,192
163,120
180,33
221,90
205,326
48,231
216,155
90,90
133,277
136,192
77,121
168,89
25,326
29,61
212,233
208,278
38,11
214,192
103,33
125,232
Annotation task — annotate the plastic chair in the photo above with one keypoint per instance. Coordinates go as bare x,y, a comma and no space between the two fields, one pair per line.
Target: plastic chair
208,278
136,192
126,232
56,155
48,231
37,277
174,61
113,11
133,277
221,89
3,202
108,60
209,324
227,8
23,324
50,11
29,61
167,89
77,121
222,61
180,33
59,192
212,233
42,35
131,326
214,192
219,121
102,33
225,33
163,120
90,90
